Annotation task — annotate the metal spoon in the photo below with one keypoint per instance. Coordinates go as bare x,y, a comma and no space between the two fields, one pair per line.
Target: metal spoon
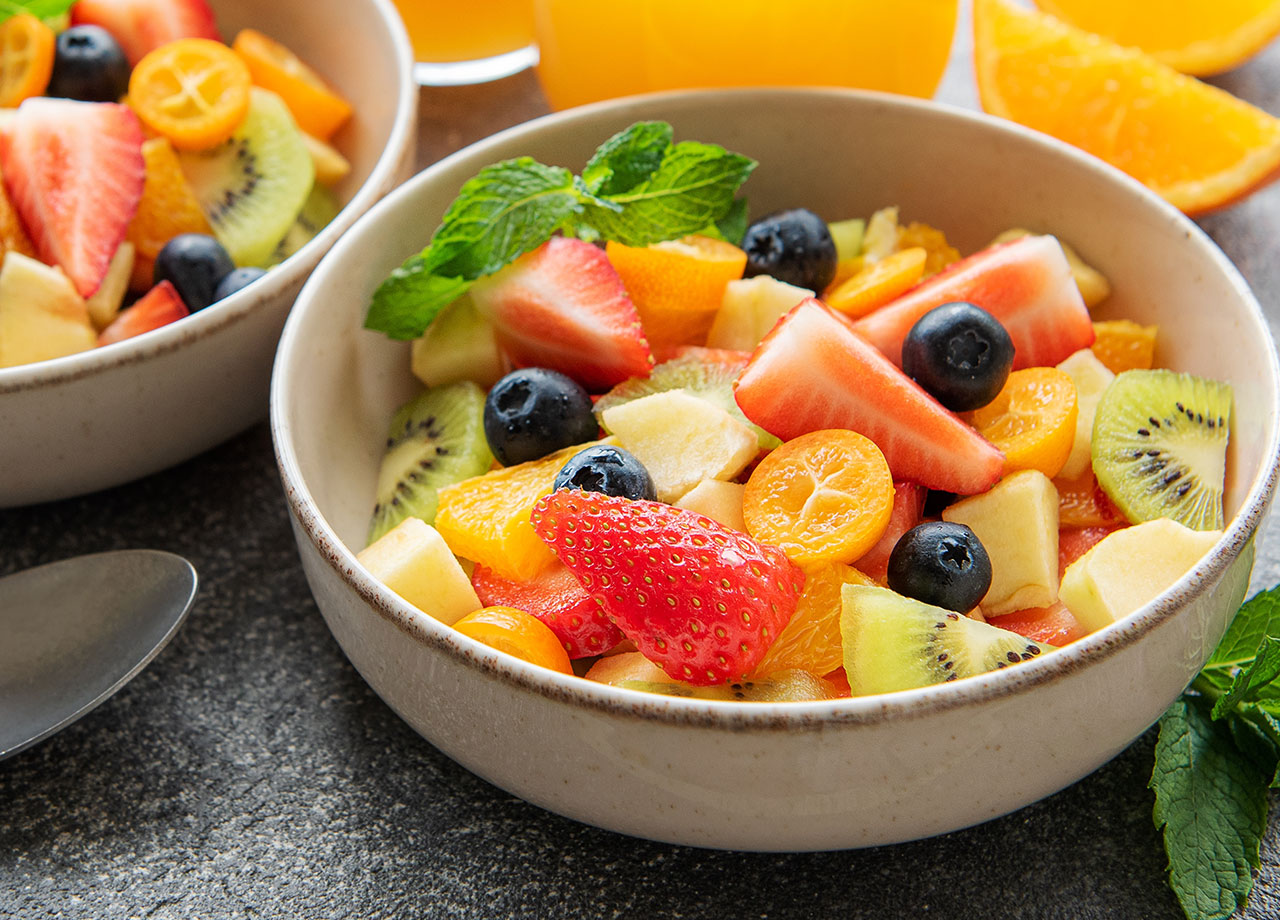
74,632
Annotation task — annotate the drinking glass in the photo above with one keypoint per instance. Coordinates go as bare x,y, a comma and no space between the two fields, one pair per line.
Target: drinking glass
469,41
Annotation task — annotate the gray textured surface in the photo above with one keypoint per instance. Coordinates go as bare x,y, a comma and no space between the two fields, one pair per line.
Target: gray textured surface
249,772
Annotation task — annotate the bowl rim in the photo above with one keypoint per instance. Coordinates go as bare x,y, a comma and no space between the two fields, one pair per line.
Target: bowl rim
294,269
755,716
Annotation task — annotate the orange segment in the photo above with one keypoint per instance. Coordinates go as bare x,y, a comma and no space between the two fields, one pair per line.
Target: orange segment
167,208
194,91
823,497
1032,420
1194,144
318,109
486,518
13,235
1082,503
878,283
1189,35
677,285
26,58
1123,345
516,633
811,639
939,253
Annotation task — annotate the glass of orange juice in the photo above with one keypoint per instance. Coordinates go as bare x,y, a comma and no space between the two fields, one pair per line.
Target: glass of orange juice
591,50
469,41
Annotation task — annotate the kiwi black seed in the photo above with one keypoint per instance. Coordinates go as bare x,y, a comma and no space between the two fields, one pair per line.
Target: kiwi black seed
1160,446
253,186
434,440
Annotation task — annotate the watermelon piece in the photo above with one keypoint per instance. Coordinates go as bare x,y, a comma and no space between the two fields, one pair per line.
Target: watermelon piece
812,372
1053,625
160,306
1026,284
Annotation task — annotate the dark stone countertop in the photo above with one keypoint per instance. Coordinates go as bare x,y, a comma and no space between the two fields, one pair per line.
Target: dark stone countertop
250,772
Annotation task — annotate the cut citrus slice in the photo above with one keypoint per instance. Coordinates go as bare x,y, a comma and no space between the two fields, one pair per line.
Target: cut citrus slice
811,639
1196,145
1123,345
516,633
878,283
1082,503
823,497
194,91
26,58
938,252
1032,420
167,208
1189,35
677,285
318,109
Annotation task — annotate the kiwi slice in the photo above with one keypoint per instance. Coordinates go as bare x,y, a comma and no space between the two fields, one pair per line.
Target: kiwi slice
252,187
435,440
790,686
320,207
1159,446
892,642
704,377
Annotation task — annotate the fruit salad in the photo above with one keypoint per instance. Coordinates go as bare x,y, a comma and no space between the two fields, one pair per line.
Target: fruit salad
798,458
149,169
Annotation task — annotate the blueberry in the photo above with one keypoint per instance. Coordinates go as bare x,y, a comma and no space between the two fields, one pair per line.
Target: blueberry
534,412
235,280
960,354
89,65
195,264
794,246
609,470
941,564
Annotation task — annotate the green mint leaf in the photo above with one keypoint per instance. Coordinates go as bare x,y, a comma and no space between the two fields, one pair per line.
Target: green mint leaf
693,187
1211,803
410,299
41,9
628,158
733,226
1257,618
1257,734
1252,682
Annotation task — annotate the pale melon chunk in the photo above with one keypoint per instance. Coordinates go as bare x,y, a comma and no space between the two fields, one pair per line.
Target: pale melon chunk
413,560
1129,568
42,315
1017,522
458,345
720,501
1091,378
104,303
681,440
749,309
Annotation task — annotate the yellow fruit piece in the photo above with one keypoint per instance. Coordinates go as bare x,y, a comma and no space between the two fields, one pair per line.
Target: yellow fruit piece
1093,284
846,269
13,235
1032,420
331,166
1192,36
939,253
677,286
486,518
1196,145
517,633
811,639
413,561
194,91
167,208
879,282
1123,345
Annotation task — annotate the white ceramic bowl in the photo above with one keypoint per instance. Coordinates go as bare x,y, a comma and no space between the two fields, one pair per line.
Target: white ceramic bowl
109,415
793,776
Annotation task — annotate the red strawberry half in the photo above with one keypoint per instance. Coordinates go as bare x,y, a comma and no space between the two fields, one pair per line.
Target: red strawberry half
699,600
812,372
1027,285
563,306
74,172
557,598
144,25
160,306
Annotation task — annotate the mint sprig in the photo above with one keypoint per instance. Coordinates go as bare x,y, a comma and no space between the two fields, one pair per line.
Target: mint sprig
41,9
1217,755
638,188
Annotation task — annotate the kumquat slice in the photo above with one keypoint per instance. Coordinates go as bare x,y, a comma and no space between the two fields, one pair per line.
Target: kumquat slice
194,91
516,633
1032,420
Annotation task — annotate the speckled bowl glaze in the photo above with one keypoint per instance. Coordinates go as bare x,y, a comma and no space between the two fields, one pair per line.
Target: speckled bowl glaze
110,415
796,776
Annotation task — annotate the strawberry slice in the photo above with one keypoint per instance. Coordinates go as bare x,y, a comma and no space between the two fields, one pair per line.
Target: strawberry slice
812,372
74,173
557,598
1026,284
563,306
160,306
144,25
699,600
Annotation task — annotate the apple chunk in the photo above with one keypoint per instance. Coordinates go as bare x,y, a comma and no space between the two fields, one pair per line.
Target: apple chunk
413,560
42,315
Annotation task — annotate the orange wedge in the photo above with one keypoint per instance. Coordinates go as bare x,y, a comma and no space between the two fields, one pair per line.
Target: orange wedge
1192,36
516,633
1123,345
318,108
167,208
1197,146
811,639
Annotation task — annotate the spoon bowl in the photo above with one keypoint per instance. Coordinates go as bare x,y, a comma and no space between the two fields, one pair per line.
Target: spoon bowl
76,631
